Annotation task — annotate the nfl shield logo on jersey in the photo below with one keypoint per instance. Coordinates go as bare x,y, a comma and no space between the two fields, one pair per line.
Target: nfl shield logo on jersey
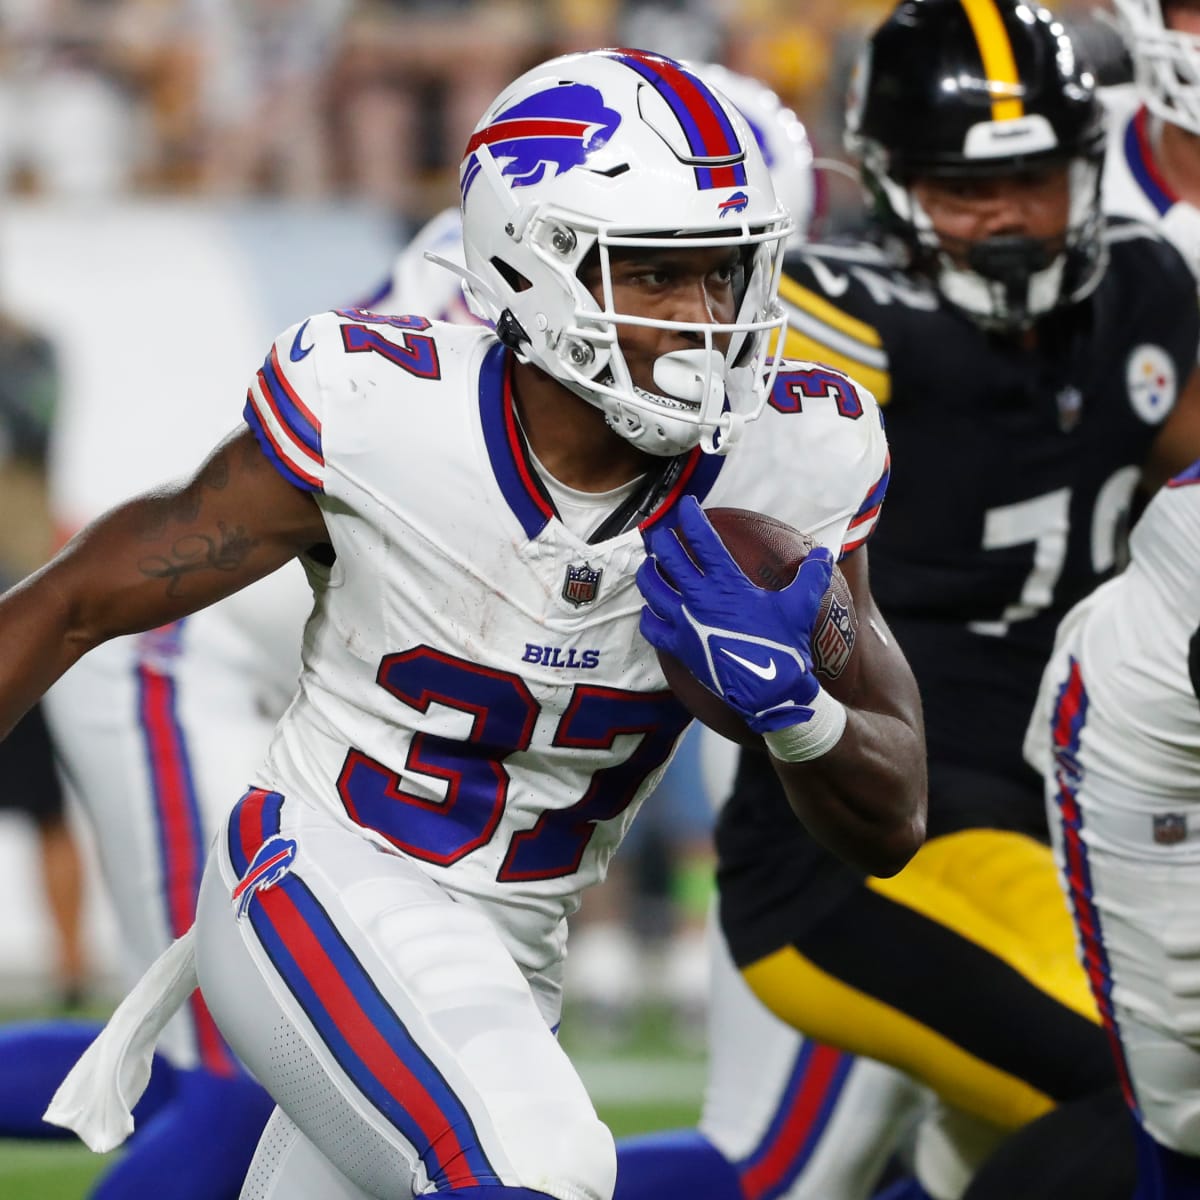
833,640
1070,408
1170,828
581,584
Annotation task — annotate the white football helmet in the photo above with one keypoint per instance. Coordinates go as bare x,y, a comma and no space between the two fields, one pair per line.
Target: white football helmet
1166,62
781,137
619,150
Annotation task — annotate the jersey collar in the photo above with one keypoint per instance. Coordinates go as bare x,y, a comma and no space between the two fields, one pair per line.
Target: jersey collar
518,481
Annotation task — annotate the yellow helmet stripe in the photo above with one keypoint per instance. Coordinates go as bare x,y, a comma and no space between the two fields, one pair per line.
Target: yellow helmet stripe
998,63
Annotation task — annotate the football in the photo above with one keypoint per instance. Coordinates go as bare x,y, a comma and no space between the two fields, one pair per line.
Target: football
769,553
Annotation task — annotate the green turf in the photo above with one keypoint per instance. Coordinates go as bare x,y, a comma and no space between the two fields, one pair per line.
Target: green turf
649,1055
54,1171
46,1170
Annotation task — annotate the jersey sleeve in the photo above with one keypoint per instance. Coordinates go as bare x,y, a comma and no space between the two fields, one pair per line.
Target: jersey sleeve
1182,314
829,429
284,404
1167,313
864,521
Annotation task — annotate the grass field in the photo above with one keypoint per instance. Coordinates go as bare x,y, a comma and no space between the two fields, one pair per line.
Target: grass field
648,1078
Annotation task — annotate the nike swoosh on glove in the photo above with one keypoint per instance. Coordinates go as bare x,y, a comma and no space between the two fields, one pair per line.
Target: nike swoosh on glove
748,645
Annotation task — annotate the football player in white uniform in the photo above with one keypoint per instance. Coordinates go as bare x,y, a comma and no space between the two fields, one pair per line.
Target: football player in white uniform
1152,161
379,931
604,971
1117,736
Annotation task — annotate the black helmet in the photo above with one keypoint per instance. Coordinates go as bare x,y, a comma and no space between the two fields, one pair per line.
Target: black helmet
981,88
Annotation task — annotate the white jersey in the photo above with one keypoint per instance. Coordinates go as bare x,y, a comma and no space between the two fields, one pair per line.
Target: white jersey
1133,185
1116,734
1131,640
475,691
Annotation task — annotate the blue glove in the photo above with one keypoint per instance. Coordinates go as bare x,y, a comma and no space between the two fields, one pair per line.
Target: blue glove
748,645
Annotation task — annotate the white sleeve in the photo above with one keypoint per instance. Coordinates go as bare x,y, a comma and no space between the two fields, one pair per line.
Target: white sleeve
854,463
283,406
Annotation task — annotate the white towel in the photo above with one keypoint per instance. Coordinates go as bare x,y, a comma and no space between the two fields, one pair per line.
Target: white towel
96,1099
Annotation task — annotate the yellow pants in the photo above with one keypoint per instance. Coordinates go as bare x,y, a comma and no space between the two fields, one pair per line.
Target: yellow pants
961,971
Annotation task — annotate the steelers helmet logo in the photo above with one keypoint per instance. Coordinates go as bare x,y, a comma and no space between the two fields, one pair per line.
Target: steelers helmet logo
1150,378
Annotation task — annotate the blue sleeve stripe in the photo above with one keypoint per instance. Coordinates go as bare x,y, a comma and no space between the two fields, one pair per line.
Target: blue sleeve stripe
292,473
289,408
875,496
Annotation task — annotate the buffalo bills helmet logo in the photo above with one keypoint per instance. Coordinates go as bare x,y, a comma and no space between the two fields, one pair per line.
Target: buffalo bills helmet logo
268,866
557,128
736,203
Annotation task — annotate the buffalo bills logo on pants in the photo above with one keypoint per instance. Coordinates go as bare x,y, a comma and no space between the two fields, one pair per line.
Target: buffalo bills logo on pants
268,866
556,128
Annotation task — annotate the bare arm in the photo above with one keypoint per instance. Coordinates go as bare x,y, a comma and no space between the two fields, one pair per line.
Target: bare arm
150,561
865,799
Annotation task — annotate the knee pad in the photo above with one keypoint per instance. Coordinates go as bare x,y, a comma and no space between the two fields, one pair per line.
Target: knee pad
950,1145
1173,1121
578,1159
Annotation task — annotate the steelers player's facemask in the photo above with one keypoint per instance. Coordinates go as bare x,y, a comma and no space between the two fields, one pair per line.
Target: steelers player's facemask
1008,281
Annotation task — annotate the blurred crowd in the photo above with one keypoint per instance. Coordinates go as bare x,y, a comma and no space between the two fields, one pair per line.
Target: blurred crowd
365,99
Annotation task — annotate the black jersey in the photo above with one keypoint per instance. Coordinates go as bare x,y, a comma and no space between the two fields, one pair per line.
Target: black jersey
1013,468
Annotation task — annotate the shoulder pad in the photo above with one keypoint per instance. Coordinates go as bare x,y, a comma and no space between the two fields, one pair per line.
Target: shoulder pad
837,299
1127,229
1157,256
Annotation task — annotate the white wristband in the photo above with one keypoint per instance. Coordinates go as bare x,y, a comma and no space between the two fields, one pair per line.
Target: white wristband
814,737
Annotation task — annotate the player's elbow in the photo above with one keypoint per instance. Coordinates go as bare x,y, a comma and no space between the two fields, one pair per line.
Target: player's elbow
887,835
895,848
872,839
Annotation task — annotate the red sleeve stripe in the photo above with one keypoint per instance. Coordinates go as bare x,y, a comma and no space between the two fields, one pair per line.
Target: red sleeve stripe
850,547
874,498
270,446
267,397
863,517
302,408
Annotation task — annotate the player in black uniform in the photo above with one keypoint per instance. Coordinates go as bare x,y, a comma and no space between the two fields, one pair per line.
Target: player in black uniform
1036,366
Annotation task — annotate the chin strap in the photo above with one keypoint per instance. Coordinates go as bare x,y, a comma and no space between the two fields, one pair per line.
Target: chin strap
642,503
512,333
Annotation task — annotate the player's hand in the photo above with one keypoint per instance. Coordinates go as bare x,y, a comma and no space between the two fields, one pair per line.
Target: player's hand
748,645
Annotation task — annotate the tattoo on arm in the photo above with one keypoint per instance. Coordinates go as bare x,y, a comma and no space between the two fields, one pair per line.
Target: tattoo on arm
184,507
198,552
